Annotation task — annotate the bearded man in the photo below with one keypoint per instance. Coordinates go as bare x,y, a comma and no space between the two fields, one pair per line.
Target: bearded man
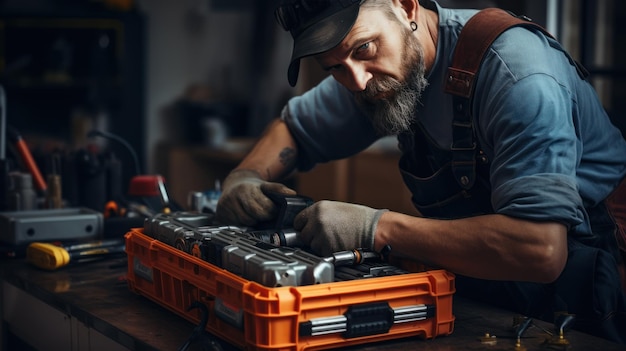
530,234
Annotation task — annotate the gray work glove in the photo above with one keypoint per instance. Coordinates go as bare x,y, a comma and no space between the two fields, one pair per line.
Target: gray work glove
331,226
243,200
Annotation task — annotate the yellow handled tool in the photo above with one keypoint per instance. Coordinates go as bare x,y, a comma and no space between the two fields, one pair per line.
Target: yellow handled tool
51,256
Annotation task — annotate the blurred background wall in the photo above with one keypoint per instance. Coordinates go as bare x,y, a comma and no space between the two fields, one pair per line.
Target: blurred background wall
192,74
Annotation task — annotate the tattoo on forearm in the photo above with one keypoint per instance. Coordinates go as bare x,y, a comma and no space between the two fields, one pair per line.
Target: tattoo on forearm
287,157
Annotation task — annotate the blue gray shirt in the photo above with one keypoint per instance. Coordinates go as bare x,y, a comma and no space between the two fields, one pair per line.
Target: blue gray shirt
552,147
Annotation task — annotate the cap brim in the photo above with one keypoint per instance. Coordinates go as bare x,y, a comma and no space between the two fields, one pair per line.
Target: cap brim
320,37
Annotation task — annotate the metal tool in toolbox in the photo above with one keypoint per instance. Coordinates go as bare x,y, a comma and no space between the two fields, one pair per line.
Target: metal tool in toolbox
271,254
254,254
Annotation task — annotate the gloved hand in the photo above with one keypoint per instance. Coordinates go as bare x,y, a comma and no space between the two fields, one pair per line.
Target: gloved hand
243,200
331,226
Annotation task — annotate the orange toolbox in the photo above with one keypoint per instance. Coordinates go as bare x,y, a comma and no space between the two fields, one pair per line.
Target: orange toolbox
252,316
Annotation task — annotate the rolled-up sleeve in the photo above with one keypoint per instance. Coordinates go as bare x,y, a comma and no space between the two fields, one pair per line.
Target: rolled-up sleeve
540,197
533,173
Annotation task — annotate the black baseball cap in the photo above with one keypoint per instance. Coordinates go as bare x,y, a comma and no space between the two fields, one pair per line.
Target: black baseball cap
316,26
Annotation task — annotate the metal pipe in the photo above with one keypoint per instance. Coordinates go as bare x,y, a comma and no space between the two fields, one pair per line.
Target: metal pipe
552,17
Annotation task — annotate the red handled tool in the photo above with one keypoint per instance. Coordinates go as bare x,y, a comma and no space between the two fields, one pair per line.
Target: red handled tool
150,186
27,158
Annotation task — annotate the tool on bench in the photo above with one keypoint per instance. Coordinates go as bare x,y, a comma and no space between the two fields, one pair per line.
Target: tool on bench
150,190
54,195
52,256
21,196
27,159
19,228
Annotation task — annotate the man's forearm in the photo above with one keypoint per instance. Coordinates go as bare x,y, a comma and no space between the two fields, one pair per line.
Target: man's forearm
275,153
494,247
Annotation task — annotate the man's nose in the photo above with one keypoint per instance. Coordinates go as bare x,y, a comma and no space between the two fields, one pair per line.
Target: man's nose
357,78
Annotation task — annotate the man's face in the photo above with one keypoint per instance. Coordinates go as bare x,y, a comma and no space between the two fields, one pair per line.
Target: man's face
382,63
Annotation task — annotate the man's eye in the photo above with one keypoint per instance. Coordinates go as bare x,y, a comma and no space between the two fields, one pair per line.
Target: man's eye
365,51
364,47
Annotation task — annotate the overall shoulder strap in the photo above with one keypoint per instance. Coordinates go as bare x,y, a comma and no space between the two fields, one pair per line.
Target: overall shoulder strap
474,41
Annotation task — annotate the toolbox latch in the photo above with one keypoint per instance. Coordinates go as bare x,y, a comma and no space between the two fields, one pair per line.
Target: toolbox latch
369,319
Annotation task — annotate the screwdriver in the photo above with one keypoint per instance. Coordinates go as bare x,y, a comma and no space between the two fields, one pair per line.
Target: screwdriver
51,256
165,199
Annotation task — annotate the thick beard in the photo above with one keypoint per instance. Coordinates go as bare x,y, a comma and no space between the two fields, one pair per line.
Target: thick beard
390,104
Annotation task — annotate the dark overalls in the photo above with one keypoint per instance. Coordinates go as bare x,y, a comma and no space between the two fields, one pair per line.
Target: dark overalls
590,285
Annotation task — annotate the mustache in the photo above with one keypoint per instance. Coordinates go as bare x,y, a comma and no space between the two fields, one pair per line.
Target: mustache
378,89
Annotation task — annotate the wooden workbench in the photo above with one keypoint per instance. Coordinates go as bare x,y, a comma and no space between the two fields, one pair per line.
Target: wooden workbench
89,307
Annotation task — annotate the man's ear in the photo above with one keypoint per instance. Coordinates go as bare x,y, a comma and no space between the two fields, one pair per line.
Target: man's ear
410,9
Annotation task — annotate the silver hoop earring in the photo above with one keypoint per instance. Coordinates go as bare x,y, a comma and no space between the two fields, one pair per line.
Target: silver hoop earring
413,26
